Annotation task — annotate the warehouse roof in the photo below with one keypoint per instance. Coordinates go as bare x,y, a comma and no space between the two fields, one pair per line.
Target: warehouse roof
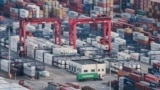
86,61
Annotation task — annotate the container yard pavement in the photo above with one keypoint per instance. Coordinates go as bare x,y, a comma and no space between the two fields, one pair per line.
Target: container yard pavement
62,76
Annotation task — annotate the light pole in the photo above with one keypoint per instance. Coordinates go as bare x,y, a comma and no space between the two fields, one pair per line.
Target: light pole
109,75
120,6
9,52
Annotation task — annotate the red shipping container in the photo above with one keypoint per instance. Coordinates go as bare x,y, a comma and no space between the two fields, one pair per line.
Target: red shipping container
79,10
150,78
14,16
139,86
11,4
104,5
128,69
123,20
77,1
156,65
80,6
27,1
135,77
1,18
21,4
75,85
131,11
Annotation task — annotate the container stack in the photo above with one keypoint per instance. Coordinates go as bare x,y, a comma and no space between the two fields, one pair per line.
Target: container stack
46,12
141,4
4,64
107,6
5,85
14,13
127,4
138,81
153,9
2,2
59,12
29,70
125,67
116,7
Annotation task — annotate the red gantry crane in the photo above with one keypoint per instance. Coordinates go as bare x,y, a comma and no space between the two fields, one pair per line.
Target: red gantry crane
106,23
23,36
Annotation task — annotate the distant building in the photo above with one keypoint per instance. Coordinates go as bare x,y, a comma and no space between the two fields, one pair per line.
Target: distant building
87,66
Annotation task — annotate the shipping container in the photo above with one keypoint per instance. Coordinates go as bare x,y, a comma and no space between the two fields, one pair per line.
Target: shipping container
86,76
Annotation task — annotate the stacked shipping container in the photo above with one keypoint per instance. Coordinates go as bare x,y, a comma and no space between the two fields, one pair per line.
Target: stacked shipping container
154,9
141,4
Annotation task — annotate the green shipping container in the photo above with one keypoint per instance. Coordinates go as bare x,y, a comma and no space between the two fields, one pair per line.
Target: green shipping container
141,12
87,76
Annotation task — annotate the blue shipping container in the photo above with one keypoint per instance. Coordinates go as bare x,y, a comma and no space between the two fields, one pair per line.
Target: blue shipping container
2,2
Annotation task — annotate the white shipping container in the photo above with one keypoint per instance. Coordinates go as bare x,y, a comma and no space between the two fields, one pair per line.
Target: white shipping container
45,73
80,43
97,8
136,35
120,41
83,16
116,6
94,12
98,38
65,33
155,61
48,58
31,28
120,32
29,71
144,59
4,65
14,10
102,1
158,24
31,49
154,53
87,1
135,56
142,37
114,35
23,13
64,51
14,42
89,40
115,46
126,15
93,15
123,56
39,55
155,46
72,14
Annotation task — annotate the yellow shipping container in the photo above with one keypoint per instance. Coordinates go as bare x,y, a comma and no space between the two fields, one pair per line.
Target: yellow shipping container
139,29
128,30
55,12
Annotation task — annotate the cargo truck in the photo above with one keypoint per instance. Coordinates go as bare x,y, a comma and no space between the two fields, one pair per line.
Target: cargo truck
88,76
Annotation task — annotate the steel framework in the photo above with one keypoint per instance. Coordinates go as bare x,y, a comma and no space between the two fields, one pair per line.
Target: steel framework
23,35
106,23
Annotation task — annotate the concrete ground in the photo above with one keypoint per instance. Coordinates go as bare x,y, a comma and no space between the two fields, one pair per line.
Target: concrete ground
62,76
